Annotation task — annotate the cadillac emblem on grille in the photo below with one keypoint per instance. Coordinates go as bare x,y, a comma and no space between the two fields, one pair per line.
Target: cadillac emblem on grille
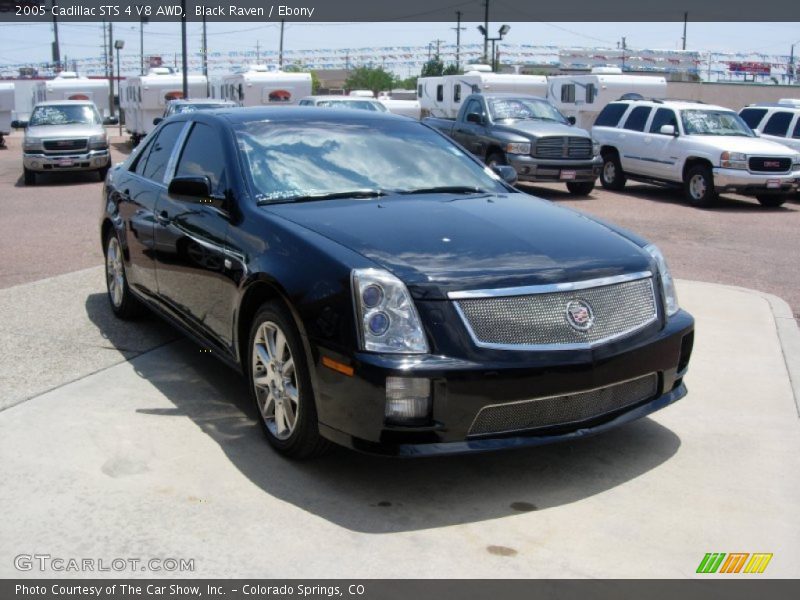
579,315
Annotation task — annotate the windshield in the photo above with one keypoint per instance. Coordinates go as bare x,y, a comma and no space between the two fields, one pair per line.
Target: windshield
186,108
524,108
714,122
64,114
357,104
293,159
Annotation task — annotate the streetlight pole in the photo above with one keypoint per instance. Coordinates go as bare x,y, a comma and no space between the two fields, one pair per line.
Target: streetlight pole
205,55
500,35
184,58
486,31
280,50
111,69
791,64
118,45
459,28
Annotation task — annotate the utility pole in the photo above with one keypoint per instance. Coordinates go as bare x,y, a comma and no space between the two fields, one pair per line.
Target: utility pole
486,31
142,21
111,110
280,50
205,53
791,65
56,48
624,46
184,58
437,47
685,20
258,51
458,29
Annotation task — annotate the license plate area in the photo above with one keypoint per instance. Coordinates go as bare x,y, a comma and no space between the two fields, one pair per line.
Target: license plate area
773,184
568,175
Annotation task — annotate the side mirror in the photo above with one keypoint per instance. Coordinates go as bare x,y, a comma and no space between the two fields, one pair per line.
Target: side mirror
197,189
157,120
476,118
111,121
757,132
507,173
571,120
668,130
19,124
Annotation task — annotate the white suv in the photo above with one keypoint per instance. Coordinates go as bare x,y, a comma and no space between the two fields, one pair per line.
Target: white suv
706,149
777,122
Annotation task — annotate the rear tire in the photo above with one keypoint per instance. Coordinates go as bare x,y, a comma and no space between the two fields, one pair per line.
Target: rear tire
280,385
770,200
698,186
30,177
580,188
612,177
124,305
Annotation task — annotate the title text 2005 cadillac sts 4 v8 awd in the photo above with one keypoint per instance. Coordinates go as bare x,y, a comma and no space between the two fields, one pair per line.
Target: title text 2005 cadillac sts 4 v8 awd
382,289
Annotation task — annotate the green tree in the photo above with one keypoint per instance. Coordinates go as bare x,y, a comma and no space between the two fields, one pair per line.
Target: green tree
452,69
370,78
407,84
433,68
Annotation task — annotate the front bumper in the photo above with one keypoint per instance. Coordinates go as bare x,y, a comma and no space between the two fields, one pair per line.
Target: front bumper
84,161
529,168
745,182
351,409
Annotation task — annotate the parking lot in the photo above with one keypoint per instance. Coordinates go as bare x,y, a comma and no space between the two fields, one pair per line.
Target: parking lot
123,439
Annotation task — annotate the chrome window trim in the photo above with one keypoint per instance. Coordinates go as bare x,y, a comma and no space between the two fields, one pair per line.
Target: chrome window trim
548,288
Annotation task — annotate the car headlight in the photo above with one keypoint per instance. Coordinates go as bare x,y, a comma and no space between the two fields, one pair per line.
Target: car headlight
733,160
796,165
386,315
98,142
667,283
32,143
518,148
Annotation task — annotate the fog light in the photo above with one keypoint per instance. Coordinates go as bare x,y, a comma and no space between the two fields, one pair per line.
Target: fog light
407,398
35,165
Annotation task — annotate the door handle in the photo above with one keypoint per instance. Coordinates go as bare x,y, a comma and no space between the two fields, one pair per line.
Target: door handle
163,218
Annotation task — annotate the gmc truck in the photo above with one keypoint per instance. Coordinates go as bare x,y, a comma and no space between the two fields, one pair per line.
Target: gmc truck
528,133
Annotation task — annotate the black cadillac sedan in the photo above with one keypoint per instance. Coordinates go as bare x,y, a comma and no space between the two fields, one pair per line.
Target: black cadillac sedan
381,289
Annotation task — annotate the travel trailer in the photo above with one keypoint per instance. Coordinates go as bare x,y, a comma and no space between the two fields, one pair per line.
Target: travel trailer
144,98
258,86
68,85
6,108
584,96
442,96
401,102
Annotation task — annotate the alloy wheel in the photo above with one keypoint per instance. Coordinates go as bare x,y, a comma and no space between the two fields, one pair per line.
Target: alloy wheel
275,380
115,274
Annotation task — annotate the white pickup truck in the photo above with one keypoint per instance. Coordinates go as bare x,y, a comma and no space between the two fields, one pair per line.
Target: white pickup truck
705,149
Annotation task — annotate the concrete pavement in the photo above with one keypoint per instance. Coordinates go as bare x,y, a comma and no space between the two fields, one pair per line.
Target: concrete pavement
144,448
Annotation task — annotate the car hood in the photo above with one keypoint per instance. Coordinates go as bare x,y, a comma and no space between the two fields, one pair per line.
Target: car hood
540,128
441,243
747,145
63,131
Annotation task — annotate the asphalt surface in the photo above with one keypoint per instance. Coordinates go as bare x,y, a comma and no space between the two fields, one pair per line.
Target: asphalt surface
52,228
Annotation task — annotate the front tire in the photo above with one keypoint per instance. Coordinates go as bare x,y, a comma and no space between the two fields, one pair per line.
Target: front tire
123,303
280,384
30,177
698,186
770,200
612,177
101,173
580,188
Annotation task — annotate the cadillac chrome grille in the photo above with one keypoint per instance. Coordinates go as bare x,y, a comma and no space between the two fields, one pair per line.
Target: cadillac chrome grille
563,410
563,147
542,319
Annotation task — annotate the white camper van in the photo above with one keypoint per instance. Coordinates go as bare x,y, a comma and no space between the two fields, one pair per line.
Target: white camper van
401,102
144,98
68,85
442,96
6,108
584,96
258,86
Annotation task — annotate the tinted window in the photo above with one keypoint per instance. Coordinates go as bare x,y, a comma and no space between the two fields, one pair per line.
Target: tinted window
753,116
439,93
637,119
202,156
663,116
591,92
457,92
610,115
419,90
140,161
778,124
568,93
796,133
162,149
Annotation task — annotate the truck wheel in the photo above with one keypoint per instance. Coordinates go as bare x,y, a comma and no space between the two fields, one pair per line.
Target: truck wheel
612,177
101,173
30,177
698,185
496,159
771,200
280,384
580,188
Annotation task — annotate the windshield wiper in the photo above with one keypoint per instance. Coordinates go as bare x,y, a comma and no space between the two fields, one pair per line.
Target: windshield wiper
447,189
364,193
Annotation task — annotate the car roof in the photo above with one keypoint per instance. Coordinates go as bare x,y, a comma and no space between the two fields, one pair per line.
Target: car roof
786,107
509,95
337,97
62,102
200,101
677,104
289,114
